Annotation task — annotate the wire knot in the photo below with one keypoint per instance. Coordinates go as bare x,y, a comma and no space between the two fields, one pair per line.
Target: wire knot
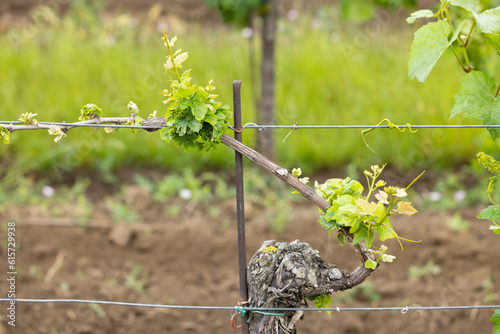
294,127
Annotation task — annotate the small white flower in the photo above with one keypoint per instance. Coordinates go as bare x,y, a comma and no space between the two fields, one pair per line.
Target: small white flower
48,191
292,14
185,194
110,41
435,196
161,27
460,195
247,32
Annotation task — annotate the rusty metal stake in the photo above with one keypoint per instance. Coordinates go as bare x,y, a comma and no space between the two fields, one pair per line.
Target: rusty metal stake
240,204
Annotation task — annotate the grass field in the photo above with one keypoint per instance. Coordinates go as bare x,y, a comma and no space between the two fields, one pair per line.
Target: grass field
326,74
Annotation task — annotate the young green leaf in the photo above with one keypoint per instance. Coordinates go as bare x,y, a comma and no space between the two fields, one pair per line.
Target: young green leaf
341,237
4,135
496,319
476,98
495,229
429,44
370,264
28,118
489,21
419,14
406,209
322,301
494,41
89,111
492,213
56,131
469,5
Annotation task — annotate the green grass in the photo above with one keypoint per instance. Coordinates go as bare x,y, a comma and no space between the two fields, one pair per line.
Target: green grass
62,66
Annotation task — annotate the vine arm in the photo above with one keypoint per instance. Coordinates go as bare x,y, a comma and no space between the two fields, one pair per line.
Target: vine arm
287,177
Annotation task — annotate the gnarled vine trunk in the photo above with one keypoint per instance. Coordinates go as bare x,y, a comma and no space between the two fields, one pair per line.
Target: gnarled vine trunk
283,275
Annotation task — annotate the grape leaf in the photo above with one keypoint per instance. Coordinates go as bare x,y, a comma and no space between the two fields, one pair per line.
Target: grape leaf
341,238
428,45
468,5
405,208
492,213
370,264
419,14
495,229
322,301
385,231
488,21
496,319
476,98
494,41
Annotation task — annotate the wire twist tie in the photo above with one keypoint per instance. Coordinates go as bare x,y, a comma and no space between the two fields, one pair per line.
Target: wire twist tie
240,310
404,310
295,127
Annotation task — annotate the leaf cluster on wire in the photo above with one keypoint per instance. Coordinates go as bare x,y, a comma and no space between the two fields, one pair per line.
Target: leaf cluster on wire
363,218
194,120
478,94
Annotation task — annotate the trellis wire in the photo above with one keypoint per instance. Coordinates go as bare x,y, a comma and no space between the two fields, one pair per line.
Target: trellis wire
248,309
351,126
293,126
251,309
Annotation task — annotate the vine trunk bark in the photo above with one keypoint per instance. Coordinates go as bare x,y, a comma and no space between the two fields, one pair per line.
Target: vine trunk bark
283,275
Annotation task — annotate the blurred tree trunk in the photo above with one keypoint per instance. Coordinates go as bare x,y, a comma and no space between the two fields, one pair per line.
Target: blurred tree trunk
265,140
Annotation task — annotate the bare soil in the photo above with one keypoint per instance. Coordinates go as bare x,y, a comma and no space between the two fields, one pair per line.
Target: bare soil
192,260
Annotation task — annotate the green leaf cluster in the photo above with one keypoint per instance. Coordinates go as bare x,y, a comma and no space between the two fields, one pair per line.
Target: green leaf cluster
194,120
4,135
89,111
28,118
478,94
322,301
492,212
363,218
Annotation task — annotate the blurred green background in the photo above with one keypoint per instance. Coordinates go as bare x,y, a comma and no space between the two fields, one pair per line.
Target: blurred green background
328,72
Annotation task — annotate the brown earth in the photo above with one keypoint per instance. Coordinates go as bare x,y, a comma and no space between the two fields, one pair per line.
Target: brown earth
192,260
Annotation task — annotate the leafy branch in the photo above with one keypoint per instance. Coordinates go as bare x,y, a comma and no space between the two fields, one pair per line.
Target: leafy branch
351,211
478,95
